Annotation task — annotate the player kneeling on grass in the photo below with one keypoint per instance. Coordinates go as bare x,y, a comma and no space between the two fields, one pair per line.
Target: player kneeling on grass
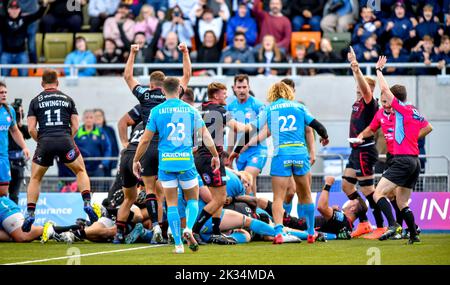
11,221
177,123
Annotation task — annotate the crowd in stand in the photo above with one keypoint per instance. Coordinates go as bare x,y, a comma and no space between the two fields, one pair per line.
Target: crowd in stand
231,31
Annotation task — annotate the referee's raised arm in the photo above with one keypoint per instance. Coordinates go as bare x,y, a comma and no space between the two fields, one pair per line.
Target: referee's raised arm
128,73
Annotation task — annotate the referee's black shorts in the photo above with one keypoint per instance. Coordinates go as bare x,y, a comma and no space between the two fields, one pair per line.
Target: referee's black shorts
404,171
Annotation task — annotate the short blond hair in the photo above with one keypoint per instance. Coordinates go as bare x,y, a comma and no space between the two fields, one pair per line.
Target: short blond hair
280,90
370,81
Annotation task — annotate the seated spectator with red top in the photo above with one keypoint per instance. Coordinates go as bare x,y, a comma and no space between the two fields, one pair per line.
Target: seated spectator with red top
273,23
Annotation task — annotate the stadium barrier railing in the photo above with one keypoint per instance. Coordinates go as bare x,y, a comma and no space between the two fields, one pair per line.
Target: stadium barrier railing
428,182
220,67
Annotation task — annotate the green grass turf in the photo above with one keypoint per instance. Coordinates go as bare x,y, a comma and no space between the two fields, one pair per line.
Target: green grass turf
434,249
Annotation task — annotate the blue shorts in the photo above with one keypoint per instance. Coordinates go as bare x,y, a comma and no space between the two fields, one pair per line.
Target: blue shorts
207,229
172,178
7,209
255,157
287,165
5,171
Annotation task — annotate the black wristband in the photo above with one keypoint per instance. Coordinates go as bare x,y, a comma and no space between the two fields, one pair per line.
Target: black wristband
326,187
380,69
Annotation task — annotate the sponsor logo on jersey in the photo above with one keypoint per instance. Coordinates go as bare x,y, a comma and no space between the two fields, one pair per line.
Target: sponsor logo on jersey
71,154
206,178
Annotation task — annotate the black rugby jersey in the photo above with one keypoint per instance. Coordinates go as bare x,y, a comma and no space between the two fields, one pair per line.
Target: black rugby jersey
53,111
362,116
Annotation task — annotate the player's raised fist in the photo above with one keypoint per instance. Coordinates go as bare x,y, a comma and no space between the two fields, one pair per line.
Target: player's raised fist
134,48
183,47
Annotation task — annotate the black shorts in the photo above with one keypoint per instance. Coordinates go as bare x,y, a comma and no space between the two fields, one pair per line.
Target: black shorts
209,177
64,148
126,170
150,160
404,171
242,208
362,160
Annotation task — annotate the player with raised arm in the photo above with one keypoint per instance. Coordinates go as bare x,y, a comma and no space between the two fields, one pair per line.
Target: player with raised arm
405,166
216,119
57,117
362,159
177,122
8,125
149,98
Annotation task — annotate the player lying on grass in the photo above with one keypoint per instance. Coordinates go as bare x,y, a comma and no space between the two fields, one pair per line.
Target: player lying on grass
11,221
104,230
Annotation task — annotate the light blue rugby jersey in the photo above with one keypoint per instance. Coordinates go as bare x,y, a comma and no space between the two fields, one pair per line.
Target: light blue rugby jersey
176,122
6,121
286,121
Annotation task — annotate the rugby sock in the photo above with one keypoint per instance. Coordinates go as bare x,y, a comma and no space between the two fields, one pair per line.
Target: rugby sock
375,211
81,234
31,207
355,196
59,229
300,235
120,226
262,228
398,213
152,208
240,237
268,208
174,223
408,216
330,236
146,236
308,210
191,213
130,218
385,206
287,208
216,226
202,218
86,195
278,229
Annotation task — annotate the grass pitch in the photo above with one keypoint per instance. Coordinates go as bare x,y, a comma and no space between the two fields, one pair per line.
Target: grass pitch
434,250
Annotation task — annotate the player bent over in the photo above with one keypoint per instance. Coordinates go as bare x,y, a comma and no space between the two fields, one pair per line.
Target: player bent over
57,117
177,122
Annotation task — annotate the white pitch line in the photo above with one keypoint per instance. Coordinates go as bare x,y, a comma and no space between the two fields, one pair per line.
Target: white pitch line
83,255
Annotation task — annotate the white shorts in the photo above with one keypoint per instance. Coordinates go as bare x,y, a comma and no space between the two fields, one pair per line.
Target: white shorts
107,222
13,222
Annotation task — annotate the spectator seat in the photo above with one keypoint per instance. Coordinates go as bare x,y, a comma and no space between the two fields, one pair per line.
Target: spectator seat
304,38
57,46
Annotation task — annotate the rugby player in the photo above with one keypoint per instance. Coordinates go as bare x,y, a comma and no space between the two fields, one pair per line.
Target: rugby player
177,122
362,159
285,120
57,116
385,119
244,109
405,166
216,119
8,124
149,98
11,220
